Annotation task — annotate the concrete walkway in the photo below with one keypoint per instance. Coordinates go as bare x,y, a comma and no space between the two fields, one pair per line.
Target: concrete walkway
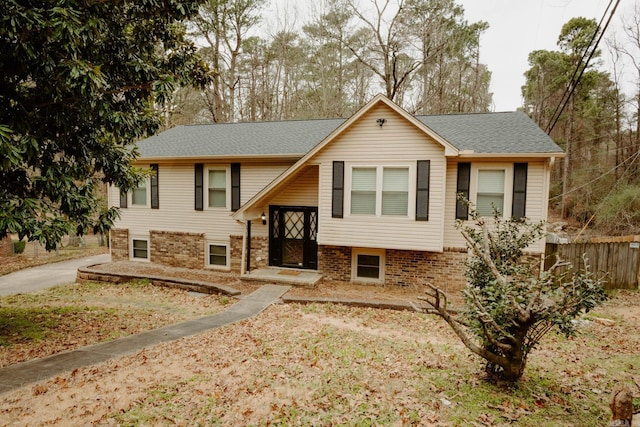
46,276
21,374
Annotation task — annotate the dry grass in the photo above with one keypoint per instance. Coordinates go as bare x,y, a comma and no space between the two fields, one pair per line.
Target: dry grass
335,365
67,317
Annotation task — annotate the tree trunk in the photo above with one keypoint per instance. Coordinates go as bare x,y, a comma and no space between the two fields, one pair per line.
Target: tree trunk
567,167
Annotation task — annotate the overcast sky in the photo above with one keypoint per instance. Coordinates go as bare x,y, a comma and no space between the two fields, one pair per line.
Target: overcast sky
518,27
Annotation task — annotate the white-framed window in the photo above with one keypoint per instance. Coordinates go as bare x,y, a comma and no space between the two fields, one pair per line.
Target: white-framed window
367,265
217,255
140,248
490,192
217,185
363,191
139,195
395,191
381,190
491,185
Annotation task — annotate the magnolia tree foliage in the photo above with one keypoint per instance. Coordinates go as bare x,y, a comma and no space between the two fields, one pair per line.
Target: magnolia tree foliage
510,304
78,83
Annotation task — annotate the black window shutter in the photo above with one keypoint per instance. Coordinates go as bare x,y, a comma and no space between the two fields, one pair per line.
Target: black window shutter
337,197
155,202
123,199
422,190
199,193
235,186
464,176
518,209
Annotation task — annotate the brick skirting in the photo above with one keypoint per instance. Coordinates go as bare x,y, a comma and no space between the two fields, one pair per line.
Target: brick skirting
6,249
402,267
334,262
177,249
119,244
259,253
442,269
188,250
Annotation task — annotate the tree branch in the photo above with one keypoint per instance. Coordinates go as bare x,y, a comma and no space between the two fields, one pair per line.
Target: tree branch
441,310
485,319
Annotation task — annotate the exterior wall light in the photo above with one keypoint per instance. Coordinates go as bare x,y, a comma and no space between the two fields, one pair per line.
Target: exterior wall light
264,219
381,121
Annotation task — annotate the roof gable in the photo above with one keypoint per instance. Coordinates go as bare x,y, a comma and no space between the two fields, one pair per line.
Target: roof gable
448,148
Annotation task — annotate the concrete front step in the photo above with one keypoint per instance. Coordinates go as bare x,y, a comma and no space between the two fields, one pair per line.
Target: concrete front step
289,276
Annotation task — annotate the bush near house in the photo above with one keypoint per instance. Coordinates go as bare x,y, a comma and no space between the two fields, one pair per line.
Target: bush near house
510,307
18,246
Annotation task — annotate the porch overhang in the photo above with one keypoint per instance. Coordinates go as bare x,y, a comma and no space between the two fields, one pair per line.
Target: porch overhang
259,204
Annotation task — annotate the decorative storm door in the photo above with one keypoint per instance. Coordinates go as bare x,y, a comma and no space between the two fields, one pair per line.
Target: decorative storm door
292,237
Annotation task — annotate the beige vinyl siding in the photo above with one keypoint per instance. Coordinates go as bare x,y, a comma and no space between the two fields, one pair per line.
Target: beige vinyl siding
452,238
536,195
177,213
303,191
395,144
254,178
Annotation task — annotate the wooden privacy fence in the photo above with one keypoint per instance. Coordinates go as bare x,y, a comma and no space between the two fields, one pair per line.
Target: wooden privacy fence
619,262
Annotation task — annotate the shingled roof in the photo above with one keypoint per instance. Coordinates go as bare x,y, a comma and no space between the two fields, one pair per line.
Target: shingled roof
284,138
499,133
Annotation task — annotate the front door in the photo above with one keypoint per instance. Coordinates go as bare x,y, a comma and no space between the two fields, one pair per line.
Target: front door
292,237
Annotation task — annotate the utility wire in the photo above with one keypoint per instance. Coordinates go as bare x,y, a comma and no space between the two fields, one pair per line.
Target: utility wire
580,69
600,206
633,158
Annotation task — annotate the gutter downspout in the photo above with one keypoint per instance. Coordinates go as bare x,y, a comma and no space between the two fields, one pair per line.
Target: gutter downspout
244,248
248,248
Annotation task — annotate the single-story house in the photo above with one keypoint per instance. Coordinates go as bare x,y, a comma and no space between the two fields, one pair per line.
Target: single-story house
371,198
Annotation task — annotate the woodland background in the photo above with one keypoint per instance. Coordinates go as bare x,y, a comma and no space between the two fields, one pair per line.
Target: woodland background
426,56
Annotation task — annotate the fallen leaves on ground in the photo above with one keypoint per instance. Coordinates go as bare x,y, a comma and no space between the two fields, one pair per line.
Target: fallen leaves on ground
71,316
314,365
330,365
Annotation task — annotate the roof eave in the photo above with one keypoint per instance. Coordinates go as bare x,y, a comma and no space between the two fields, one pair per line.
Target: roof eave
226,157
468,155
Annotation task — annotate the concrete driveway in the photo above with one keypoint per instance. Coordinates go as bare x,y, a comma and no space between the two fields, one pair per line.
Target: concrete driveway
46,276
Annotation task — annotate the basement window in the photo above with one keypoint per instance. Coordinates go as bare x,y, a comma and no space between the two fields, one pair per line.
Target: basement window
140,249
218,256
368,265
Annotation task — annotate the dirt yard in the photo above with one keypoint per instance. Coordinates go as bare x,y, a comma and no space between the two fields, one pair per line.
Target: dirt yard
335,365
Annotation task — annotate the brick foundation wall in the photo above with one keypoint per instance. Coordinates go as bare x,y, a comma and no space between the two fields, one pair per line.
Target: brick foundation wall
235,253
442,269
335,262
402,268
6,249
177,249
119,244
259,253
